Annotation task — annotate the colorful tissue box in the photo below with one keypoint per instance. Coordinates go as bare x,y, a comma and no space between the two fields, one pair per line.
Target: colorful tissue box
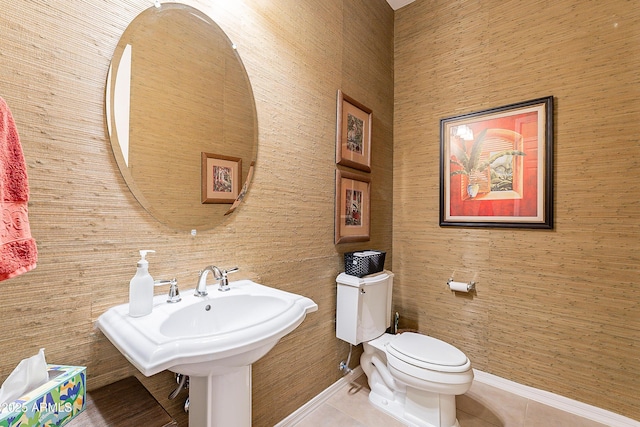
53,404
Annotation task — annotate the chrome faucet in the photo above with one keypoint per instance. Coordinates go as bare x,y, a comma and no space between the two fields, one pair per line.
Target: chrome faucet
218,274
201,289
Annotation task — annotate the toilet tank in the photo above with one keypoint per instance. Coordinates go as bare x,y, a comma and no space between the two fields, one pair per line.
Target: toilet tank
363,309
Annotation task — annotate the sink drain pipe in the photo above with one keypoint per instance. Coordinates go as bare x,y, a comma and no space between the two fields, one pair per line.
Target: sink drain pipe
182,380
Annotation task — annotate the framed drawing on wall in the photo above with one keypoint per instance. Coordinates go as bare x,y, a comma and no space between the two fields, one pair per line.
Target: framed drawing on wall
496,167
353,207
221,177
353,133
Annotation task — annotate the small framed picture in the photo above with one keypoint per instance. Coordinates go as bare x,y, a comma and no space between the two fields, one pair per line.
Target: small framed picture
353,207
496,167
221,177
353,134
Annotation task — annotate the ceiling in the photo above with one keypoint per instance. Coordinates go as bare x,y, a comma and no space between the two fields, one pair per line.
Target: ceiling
397,4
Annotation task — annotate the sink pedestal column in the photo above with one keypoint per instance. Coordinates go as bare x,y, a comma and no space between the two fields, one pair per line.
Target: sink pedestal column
221,400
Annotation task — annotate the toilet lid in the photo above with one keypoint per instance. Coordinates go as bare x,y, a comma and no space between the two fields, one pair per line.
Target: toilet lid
428,352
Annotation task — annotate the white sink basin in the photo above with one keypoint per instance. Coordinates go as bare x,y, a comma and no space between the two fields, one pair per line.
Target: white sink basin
223,315
213,339
203,336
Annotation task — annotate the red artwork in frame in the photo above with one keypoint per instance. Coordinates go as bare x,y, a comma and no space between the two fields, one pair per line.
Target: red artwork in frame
353,133
220,178
353,207
496,167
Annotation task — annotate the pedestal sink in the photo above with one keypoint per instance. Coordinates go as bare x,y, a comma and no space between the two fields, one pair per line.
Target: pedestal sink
213,339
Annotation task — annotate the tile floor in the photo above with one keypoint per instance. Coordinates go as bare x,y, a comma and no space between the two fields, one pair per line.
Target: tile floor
481,406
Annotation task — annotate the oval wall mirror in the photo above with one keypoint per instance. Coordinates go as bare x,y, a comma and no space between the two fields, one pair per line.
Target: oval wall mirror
177,89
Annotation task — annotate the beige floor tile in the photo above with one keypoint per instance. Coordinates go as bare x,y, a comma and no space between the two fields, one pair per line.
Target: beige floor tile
481,406
542,415
328,416
467,420
354,400
493,405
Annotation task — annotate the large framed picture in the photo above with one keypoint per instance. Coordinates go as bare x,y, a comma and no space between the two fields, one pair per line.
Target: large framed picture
221,177
496,167
353,133
353,207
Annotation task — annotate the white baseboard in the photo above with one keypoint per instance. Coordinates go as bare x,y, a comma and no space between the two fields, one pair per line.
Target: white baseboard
556,401
546,398
314,403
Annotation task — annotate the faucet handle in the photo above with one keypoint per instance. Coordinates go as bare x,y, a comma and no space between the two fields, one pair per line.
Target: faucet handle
224,282
162,282
231,270
174,293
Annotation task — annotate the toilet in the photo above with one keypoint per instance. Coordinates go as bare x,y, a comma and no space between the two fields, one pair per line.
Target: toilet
413,377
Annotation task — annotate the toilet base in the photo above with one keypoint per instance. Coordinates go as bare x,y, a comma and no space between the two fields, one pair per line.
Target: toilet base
419,409
399,397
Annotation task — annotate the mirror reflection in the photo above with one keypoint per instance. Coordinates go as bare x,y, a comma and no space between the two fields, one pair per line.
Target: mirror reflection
176,89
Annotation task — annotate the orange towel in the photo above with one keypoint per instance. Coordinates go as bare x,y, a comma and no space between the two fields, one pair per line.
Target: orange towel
18,252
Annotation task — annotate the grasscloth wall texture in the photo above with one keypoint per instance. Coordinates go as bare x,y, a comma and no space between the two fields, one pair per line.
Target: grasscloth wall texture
557,310
54,57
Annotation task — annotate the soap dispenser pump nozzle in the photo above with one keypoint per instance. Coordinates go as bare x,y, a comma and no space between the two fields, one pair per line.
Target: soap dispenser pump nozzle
143,255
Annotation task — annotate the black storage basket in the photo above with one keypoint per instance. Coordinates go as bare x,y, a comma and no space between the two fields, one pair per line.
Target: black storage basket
361,266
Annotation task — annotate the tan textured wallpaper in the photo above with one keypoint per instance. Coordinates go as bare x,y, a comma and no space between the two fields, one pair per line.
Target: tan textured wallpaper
557,310
54,58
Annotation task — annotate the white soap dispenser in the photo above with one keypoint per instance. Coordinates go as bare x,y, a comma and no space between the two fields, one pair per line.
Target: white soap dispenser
141,288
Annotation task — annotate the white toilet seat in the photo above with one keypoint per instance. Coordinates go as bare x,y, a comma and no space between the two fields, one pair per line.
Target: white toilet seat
450,374
426,352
